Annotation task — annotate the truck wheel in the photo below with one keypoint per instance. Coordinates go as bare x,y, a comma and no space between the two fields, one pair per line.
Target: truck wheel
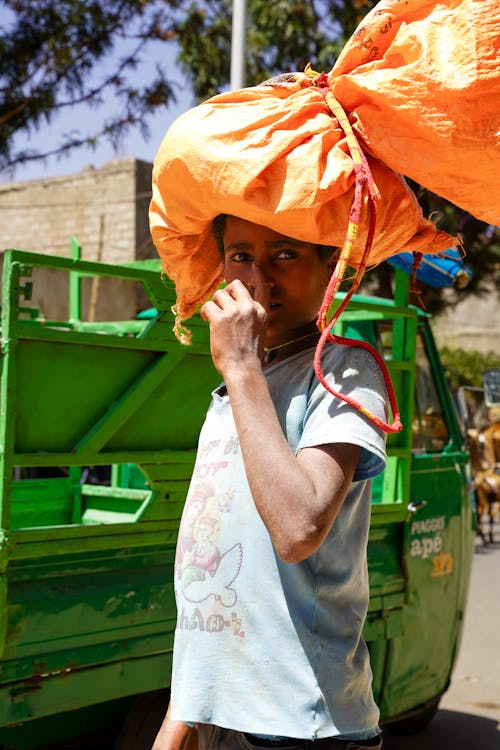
416,722
143,721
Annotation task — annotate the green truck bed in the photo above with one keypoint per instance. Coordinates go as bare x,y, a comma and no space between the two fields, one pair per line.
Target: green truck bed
98,426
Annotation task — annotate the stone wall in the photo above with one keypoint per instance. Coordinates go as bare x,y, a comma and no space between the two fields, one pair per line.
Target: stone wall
105,209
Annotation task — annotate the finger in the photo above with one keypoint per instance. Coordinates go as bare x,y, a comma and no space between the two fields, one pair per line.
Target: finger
225,298
204,312
238,290
209,311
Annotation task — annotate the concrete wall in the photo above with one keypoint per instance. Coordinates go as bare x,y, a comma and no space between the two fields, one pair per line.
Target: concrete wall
473,325
105,209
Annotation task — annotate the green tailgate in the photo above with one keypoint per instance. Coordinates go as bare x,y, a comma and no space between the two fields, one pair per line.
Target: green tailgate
87,609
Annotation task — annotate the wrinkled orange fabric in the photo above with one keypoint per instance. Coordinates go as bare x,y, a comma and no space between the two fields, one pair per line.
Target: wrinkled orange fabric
419,82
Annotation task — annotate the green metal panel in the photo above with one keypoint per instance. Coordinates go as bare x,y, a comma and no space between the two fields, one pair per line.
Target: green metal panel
417,593
75,287
364,319
43,502
87,610
437,555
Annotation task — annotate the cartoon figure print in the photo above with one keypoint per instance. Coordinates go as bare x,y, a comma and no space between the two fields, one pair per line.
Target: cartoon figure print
204,553
200,567
195,506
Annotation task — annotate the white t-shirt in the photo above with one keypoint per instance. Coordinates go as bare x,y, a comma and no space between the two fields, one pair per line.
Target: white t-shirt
263,646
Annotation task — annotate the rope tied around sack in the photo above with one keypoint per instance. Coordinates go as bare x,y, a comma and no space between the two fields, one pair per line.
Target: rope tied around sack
364,188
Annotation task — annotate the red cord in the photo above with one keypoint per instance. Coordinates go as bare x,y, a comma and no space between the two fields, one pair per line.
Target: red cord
364,184
380,423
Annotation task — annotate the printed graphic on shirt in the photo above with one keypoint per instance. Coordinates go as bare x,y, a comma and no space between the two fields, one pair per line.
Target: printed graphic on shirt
218,583
212,623
202,569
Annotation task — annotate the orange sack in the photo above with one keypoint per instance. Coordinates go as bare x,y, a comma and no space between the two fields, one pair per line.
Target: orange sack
419,83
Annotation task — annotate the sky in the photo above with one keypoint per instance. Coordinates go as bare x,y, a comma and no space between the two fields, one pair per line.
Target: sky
84,119
134,145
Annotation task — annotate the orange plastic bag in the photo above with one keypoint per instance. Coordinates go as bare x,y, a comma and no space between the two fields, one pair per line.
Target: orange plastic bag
422,80
418,83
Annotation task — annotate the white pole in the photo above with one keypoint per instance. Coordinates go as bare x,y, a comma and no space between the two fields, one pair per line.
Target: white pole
238,47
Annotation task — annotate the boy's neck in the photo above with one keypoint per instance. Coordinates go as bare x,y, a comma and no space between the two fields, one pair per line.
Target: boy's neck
296,342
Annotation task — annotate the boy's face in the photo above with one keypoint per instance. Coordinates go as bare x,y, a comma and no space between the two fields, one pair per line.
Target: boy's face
292,269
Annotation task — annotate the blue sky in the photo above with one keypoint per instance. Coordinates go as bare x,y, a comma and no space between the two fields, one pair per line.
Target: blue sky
134,145
85,120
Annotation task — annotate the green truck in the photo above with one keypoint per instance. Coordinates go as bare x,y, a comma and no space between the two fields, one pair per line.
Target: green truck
98,427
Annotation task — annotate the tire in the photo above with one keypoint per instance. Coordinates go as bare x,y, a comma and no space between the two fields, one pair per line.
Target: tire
143,721
416,722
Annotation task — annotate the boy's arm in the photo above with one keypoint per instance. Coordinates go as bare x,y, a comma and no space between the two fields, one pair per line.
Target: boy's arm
175,735
298,497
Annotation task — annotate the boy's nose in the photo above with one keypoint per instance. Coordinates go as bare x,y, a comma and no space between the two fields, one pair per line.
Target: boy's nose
262,273
259,285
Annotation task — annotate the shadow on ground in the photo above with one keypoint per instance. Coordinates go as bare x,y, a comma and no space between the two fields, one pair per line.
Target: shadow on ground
450,730
486,549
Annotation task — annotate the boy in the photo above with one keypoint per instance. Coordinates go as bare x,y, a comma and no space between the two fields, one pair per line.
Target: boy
268,649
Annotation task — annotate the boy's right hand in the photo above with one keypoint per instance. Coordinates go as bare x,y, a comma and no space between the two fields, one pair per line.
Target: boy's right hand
237,317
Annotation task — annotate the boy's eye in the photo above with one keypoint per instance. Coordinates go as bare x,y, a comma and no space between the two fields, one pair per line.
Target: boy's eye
286,254
240,257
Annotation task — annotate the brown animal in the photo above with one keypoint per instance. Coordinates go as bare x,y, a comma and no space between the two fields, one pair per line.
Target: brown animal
487,494
475,446
491,445
484,449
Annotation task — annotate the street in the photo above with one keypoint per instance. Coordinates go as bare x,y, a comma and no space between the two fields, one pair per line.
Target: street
469,714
